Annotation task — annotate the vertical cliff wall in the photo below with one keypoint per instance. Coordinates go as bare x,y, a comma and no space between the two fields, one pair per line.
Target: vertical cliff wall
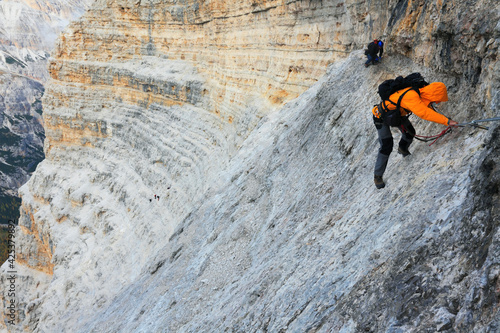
267,218
254,55
297,238
28,30
22,132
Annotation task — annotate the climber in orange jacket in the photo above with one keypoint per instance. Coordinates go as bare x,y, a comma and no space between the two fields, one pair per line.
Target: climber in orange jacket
411,102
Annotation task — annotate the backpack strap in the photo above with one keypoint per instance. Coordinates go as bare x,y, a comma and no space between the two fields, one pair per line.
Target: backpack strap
398,104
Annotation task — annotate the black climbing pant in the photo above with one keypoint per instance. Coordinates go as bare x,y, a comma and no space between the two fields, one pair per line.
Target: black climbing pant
387,142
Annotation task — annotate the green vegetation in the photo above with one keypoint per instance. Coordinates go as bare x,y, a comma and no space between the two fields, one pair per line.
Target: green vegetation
11,61
9,208
8,138
9,211
3,245
37,105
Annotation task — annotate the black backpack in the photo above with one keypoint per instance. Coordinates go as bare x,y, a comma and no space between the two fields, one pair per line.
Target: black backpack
414,81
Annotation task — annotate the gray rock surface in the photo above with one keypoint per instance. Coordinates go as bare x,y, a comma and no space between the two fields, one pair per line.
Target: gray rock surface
28,31
296,238
21,128
269,221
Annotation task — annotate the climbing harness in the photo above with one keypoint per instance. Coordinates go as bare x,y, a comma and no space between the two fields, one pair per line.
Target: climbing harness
473,123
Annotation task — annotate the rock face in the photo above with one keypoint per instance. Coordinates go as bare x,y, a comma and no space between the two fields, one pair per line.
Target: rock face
22,130
251,122
28,30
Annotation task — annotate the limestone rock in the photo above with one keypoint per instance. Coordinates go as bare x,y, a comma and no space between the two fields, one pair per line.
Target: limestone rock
22,130
28,30
251,122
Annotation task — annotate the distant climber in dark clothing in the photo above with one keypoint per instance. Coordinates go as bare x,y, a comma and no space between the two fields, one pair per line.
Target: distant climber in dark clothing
374,52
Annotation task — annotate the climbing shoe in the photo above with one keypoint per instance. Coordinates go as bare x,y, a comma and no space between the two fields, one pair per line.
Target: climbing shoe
403,151
379,182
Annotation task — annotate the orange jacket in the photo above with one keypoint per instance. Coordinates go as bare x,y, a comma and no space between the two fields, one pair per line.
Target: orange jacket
419,105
